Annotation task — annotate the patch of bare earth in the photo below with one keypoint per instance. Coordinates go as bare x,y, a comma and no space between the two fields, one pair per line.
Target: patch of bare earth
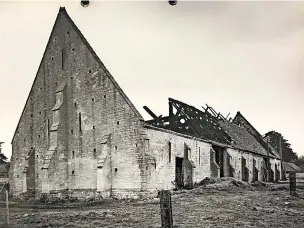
220,204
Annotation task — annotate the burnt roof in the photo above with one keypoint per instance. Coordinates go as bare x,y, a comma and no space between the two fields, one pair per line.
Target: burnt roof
186,119
192,121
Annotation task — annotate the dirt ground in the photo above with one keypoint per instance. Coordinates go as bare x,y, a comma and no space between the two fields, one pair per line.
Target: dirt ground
215,205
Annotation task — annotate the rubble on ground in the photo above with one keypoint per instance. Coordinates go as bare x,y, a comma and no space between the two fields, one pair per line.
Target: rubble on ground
224,182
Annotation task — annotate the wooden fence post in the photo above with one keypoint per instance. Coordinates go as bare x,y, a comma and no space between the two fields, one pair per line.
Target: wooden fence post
7,208
166,209
292,183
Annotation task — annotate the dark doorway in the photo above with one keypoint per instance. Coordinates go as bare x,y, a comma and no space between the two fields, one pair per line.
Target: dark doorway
277,172
30,171
219,158
179,179
255,171
245,173
263,170
271,175
267,169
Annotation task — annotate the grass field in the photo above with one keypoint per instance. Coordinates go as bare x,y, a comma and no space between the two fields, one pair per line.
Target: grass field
219,205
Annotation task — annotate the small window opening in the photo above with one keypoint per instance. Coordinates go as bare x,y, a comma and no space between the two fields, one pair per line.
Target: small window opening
48,127
38,136
94,152
117,122
199,155
72,131
79,121
169,145
68,32
104,96
147,167
75,104
62,60
71,77
73,172
136,145
115,169
93,99
73,49
16,159
90,71
37,175
31,115
55,83
39,113
17,176
36,156
52,58
115,147
155,165
73,154
93,127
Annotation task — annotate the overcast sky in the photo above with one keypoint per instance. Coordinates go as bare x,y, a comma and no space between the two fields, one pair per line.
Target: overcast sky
234,56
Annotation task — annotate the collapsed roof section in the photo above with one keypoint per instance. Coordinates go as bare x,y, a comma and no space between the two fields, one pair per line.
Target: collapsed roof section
209,126
189,120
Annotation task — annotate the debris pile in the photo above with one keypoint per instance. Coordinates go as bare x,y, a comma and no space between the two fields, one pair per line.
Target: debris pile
224,183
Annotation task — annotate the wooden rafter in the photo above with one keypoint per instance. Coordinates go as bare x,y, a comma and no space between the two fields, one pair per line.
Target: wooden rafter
150,112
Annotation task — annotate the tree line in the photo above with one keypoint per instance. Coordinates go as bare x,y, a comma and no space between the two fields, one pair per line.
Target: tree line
278,141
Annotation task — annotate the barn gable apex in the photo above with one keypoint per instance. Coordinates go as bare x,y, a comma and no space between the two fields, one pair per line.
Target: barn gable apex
63,12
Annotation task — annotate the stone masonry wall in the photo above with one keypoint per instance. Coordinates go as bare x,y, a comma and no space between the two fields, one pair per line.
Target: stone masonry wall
235,161
95,106
162,174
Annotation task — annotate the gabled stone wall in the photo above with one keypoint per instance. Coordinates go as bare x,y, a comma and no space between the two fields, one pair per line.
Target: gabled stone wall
73,103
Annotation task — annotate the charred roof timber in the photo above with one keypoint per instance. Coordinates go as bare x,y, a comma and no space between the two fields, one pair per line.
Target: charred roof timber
85,3
210,126
211,111
150,112
187,119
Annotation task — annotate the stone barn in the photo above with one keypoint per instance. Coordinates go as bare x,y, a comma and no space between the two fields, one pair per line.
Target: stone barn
80,136
213,145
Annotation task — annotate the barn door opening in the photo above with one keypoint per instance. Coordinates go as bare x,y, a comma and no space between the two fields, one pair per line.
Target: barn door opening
277,171
255,171
179,177
264,169
29,173
219,158
245,173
